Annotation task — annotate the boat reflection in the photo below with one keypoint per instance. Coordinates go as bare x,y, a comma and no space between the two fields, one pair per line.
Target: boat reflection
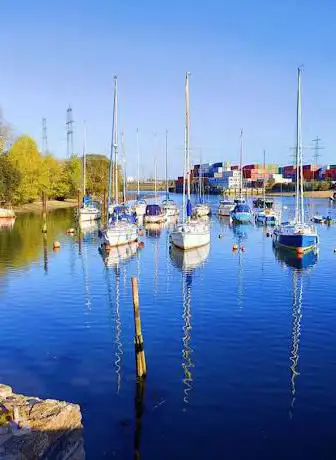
117,254
190,259
296,333
291,259
240,231
153,230
187,261
7,224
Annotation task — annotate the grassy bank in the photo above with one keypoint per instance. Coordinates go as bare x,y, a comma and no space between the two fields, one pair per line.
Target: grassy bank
52,204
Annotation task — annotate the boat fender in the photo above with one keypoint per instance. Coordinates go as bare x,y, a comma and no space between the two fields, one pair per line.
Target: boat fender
70,231
56,245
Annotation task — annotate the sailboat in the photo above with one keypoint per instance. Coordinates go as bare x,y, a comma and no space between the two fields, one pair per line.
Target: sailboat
169,206
189,234
154,213
140,204
226,206
117,232
241,213
201,209
88,212
266,215
297,235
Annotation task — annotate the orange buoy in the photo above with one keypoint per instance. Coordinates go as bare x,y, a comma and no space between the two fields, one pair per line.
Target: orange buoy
56,245
235,247
299,251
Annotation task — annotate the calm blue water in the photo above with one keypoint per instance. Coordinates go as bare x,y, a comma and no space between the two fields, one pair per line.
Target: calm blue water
240,346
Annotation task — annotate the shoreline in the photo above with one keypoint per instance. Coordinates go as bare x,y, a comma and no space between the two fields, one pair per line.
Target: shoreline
36,206
315,194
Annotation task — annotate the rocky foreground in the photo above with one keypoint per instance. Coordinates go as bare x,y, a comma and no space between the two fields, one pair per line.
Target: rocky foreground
32,428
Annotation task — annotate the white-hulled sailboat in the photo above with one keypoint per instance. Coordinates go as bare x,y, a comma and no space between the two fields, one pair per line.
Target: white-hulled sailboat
118,231
189,234
201,209
169,206
297,235
88,212
266,214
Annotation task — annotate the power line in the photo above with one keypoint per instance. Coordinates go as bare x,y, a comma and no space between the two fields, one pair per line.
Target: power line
69,128
44,136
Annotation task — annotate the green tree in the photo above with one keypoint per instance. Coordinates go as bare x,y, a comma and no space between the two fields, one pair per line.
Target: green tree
72,174
10,179
26,158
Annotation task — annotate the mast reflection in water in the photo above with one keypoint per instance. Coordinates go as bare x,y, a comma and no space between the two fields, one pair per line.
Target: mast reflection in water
300,269
187,262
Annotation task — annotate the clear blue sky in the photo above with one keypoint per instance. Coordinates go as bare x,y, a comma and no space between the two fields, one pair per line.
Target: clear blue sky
242,56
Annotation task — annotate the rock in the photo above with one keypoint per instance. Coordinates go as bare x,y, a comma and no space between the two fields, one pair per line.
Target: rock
47,429
5,391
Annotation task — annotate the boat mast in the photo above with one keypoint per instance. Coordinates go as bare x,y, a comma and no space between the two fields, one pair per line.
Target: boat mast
116,144
167,191
187,140
138,154
155,179
124,166
109,193
264,182
241,165
299,211
200,182
84,159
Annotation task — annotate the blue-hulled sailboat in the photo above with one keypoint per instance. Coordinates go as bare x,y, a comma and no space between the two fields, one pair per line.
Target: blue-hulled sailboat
241,213
297,235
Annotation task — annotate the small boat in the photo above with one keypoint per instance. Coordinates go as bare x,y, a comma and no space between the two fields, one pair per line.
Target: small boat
118,231
201,210
265,213
225,207
297,235
170,208
140,207
333,197
241,214
189,234
318,219
7,223
88,212
154,214
7,213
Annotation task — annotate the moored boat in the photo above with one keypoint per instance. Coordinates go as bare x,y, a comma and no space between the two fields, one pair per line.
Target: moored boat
201,210
170,208
154,214
297,235
7,213
118,231
225,207
189,234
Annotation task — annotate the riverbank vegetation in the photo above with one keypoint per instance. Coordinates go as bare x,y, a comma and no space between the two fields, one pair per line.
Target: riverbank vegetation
25,172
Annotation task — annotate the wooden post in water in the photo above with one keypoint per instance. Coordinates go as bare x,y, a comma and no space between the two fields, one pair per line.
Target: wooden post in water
140,359
78,201
44,212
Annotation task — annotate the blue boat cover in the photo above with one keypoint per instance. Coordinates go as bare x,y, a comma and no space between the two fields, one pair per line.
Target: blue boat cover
242,208
153,210
189,208
87,200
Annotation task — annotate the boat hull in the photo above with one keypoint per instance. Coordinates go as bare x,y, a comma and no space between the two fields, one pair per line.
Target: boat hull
155,219
225,211
296,242
190,237
267,220
119,235
89,215
171,212
140,209
6,213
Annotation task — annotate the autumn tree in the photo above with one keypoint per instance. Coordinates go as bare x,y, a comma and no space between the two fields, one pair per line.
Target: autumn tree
10,179
25,157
